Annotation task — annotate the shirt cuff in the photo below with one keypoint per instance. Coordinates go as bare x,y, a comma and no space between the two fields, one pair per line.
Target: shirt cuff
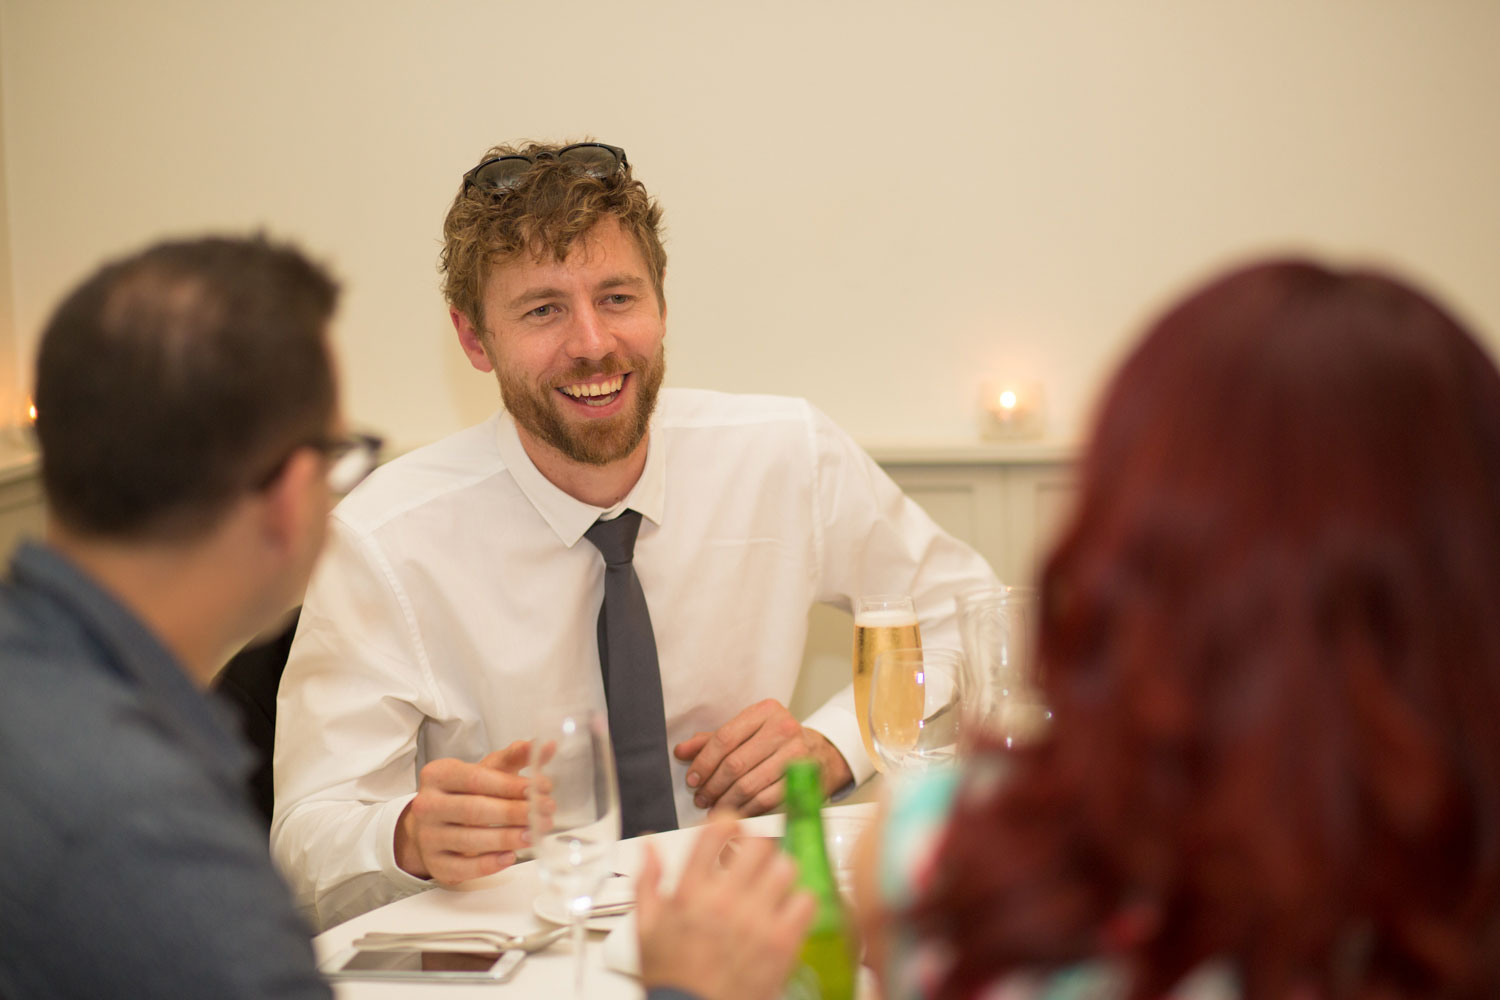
841,728
385,838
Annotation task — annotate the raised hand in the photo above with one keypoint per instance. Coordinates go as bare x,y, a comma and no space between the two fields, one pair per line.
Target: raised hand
468,819
732,928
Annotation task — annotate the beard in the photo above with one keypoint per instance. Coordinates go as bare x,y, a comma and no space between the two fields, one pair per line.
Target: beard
591,442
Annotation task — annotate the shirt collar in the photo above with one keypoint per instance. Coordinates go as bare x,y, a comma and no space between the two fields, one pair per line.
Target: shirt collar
135,653
569,517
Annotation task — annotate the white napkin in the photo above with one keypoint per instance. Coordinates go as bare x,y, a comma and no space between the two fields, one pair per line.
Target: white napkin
622,951
620,889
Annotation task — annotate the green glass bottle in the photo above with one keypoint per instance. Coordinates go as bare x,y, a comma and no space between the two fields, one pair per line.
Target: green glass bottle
826,967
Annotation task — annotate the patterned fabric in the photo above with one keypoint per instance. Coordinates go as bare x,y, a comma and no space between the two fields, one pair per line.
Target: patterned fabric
919,810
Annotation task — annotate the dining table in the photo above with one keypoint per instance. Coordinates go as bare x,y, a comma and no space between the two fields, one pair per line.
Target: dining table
509,901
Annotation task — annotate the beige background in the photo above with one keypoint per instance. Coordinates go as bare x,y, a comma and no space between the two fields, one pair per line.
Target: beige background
873,204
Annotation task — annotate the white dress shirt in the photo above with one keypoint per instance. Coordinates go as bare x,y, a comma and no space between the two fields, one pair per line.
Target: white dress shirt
455,604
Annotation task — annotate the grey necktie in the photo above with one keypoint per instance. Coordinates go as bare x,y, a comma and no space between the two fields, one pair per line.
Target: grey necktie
632,683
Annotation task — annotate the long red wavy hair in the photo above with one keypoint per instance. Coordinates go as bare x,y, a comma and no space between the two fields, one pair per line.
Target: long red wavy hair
1271,641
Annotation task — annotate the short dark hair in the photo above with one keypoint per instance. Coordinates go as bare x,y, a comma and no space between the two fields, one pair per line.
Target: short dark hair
1269,640
173,380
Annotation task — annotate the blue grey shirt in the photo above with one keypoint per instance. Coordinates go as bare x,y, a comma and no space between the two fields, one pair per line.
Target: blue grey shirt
131,862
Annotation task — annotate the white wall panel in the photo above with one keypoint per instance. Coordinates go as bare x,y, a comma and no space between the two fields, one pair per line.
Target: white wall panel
1007,506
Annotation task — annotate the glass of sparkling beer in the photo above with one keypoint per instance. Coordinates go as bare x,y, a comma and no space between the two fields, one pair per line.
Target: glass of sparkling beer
881,622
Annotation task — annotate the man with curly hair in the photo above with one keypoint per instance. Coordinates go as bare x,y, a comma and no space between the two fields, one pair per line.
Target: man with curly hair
457,602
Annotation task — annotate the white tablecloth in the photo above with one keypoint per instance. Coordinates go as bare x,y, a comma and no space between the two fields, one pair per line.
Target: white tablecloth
503,901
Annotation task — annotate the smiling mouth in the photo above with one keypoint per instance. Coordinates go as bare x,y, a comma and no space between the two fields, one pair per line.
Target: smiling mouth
600,393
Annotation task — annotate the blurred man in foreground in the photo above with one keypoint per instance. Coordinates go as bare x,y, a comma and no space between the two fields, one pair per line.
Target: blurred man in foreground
188,416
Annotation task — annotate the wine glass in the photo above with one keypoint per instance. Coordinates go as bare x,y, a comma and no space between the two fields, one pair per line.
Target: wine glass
881,622
574,813
916,707
999,631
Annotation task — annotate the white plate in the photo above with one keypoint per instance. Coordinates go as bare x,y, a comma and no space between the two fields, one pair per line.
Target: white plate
617,889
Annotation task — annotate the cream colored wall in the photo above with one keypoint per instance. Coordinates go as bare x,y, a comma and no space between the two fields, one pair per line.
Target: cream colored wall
871,204
11,382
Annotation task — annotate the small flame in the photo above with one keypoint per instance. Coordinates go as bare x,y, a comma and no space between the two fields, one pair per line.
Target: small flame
30,412
1008,400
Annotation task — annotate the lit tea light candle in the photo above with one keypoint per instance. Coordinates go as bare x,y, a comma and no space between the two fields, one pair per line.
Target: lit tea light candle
18,428
1011,409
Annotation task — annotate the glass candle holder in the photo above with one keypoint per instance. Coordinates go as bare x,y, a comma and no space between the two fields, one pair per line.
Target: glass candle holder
1011,409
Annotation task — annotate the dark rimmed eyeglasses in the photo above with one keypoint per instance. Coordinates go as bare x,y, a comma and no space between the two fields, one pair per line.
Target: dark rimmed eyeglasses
350,459
501,173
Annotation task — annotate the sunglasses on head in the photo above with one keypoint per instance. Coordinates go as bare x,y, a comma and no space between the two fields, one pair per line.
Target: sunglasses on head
500,173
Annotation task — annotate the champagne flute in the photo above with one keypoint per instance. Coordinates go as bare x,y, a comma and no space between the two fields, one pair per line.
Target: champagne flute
881,622
574,813
916,707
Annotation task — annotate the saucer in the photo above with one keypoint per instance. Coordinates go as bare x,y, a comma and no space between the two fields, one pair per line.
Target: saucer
617,889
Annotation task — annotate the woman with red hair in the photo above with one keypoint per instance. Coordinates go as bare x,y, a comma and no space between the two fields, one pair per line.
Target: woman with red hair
1271,643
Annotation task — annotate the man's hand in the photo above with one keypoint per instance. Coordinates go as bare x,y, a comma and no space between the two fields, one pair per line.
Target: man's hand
740,764
730,931
467,820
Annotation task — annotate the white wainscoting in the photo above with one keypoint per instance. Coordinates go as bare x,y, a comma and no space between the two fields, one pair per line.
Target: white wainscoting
1007,501
20,499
